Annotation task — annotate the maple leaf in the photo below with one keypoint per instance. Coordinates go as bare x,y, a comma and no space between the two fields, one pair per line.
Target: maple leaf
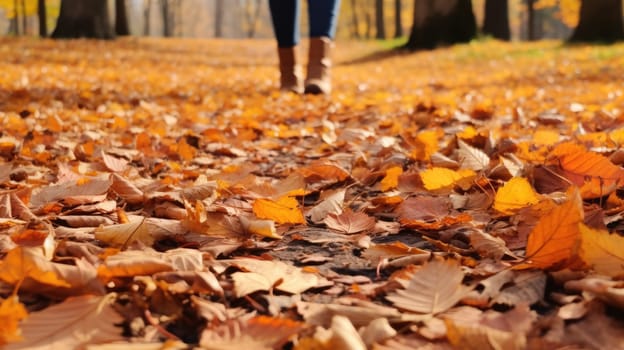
515,194
603,251
555,237
427,293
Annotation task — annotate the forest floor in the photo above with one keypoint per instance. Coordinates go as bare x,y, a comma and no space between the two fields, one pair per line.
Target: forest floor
162,194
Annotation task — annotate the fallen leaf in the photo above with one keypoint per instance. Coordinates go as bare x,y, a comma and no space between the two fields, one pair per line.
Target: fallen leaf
444,179
593,173
602,251
260,332
72,324
471,157
285,210
350,222
391,180
515,194
427,293
265,275
555,237
331,203
11,313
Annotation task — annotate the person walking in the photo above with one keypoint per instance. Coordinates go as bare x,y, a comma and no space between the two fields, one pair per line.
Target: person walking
322,15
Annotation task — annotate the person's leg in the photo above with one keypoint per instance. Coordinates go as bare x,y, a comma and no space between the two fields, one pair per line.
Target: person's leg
285,19
323,15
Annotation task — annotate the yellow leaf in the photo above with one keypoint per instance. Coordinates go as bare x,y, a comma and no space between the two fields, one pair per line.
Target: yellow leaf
546,137
11,313
265,228
603,251
516,194
283,211
555,237
391,180
425,144
443,178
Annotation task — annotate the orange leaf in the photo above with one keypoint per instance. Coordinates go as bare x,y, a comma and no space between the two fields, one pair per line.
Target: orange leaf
284,210
556,235
21,263
593,173
324,172
11,313
391,180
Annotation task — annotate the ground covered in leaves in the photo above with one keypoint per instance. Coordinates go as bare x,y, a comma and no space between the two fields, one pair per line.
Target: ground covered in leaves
161,194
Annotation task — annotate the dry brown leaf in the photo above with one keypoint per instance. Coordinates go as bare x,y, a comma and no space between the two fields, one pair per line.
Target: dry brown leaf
331,203
86,190
72,324
427,293
471,157
266,275
261,332
350,222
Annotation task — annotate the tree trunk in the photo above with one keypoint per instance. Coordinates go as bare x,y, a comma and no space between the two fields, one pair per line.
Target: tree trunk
84,18
530,20
496,22
166,20
600,20
380,23
146,18
218,18
14,24
24,17
441,22
121,18
398,20
43,18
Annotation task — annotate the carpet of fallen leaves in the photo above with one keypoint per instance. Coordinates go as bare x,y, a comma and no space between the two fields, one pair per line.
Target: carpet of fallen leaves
161,194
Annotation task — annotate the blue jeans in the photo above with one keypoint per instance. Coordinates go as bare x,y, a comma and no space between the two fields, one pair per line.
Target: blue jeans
322,14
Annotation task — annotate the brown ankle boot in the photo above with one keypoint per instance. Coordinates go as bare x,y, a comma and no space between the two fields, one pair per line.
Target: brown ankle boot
319,64
290,72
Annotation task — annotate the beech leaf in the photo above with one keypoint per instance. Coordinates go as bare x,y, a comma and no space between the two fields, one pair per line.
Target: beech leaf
427,293
72,324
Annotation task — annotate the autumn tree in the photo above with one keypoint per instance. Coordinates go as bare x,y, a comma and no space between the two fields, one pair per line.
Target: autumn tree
600,20
84,18
441,22
496,22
